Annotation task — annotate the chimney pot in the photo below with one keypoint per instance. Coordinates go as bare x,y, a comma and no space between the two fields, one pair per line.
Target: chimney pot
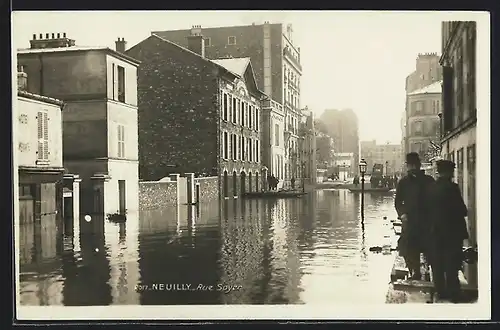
47,36
53,35
58,35
64,35
34,36
41,36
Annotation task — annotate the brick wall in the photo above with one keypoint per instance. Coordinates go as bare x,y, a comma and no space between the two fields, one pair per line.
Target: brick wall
178,110
209,189
157,195
249,43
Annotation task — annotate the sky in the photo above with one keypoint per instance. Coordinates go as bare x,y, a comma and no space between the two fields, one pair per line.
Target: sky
357,60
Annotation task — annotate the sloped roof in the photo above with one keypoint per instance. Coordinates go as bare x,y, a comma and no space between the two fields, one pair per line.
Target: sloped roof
434,88
235,65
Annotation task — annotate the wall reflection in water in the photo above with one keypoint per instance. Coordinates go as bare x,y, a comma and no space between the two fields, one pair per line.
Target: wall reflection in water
291,251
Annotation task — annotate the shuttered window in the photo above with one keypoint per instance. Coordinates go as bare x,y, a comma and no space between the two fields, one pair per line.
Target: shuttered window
43,135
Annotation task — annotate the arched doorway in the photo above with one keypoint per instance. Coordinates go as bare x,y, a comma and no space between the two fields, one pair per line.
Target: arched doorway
243,182
225,183
235,186
257,181
250,182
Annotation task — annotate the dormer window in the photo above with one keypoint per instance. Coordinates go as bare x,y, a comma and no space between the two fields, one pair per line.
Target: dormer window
231,40
208,42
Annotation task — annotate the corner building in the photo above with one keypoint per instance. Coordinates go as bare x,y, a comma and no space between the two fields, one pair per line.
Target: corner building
99,88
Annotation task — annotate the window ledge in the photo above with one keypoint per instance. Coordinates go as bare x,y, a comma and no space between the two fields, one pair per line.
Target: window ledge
42,162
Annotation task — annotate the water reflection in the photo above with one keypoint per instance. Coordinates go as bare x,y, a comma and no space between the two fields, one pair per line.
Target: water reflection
293,251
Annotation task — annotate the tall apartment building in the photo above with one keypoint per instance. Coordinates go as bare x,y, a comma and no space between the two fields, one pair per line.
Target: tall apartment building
276,64
459,116
99,88
343,127
198,115
422,120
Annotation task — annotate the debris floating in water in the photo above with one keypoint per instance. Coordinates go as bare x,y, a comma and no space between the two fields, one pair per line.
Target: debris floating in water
88,218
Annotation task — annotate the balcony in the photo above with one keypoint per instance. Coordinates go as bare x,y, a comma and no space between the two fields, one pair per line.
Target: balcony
272,104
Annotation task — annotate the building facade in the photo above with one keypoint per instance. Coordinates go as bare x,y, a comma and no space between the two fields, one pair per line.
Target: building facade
427,71
343,127
39,155
308,149
197,115
276,63
459,116
389,155
422,120
99,88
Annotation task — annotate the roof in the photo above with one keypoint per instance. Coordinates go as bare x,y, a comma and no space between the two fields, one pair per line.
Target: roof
237,66
434,88
40,98
79,49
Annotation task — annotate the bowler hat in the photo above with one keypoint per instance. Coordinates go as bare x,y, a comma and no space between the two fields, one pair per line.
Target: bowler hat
412,158
444,165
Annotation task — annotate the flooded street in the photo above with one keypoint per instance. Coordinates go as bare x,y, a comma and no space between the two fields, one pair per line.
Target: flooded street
293,251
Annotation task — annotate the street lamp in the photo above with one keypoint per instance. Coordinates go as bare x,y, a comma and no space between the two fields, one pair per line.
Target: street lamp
362,170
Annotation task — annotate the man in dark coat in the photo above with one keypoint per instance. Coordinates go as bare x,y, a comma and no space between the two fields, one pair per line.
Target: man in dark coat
449,230
411,206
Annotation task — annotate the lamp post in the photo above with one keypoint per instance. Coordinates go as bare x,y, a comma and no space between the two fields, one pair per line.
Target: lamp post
362,170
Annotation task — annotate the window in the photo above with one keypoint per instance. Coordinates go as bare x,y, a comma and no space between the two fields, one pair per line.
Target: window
234,149
460,168
225,145
225,107
242,148
121,84
417,128
121,141
257,157
250,150
231,40
250,116
235,110
257,119
207,42
419,107
43,136
26,191
276,135
242,113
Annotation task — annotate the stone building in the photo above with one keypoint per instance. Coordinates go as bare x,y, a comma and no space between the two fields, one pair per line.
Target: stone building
389,155
459,116
343,127
99,88
422,120
39,155
276,63
197,115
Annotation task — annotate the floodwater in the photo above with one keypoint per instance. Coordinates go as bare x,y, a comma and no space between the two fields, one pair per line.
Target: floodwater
292,251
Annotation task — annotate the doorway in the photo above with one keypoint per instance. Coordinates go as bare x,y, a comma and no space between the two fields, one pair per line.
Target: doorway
122,196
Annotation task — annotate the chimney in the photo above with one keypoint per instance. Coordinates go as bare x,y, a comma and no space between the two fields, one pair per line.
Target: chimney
121,45
22,79
195,41
55,42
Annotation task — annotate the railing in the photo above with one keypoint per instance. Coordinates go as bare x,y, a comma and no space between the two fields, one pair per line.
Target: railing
289,55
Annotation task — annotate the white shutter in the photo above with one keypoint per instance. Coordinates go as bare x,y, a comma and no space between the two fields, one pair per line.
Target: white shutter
45,136
40,135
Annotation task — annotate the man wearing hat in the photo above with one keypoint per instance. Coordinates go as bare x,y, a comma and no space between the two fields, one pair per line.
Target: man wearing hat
411,206
448,231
